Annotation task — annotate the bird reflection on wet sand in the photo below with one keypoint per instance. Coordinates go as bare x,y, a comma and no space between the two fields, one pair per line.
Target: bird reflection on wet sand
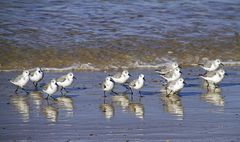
37,98
51,113
173,105
121,100
65,103
214,98
107,109
137,108
21,105
210,87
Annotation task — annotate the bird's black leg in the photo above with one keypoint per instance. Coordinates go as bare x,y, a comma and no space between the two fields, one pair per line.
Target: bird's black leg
131,91
104,94
47,97
207,85
53,98
104,99
16,90
169,93
115,92
215,86
65,90
140,99
25,90
61,91
36,85
126,86
140,93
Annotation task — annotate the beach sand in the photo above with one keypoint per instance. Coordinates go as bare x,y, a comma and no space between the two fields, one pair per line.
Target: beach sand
85,116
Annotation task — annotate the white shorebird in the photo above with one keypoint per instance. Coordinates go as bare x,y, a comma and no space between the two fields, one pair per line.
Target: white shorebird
214,77
173,75
108,85
137,84
168,68
175,86
210,65
21,80
122,77
65,81
36,76
50,88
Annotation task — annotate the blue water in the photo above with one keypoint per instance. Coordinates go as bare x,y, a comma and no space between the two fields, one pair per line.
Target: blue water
60,23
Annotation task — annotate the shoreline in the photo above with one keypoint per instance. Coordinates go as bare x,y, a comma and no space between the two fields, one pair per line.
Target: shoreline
90,68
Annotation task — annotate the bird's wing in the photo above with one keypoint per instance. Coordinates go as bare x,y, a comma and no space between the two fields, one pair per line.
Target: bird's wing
208,64
117,75
210,74
46,86
168,75
103,84
172,83
62,78
17,78
205,62
133,83
32,73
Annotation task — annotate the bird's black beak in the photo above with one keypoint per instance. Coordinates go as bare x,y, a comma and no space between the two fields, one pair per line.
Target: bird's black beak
56,84
144,79
184,83
221,64
180,71
226,74
74,77
129,74
180,66
111,80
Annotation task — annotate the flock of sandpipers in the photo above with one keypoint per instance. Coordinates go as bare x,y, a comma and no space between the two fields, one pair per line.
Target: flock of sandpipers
171,72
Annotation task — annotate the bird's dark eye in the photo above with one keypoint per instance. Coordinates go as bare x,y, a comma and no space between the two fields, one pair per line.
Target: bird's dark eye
39,71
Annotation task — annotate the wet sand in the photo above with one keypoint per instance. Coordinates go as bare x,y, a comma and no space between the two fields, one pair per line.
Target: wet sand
194,115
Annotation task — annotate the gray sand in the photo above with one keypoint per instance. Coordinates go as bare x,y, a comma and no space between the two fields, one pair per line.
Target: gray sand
83,116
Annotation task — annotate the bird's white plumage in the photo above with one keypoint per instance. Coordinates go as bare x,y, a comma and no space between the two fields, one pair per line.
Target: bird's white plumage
138,83
36,75
173,75
51,87
21,80
211,65
121,78
167,68
65,80
176,85
214,77
108,84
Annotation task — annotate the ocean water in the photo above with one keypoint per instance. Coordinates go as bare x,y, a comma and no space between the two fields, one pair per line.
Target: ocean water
105,34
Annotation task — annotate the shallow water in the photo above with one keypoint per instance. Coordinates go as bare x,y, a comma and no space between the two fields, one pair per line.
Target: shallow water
84,115
56,33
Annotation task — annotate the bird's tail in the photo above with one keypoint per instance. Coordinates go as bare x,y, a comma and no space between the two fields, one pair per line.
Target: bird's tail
157,71
202,76
201,65
10,80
